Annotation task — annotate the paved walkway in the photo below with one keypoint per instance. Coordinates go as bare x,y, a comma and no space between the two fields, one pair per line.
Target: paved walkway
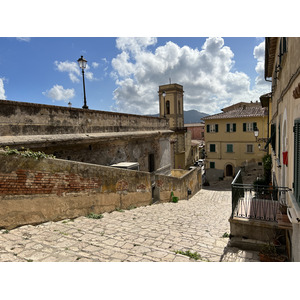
155,233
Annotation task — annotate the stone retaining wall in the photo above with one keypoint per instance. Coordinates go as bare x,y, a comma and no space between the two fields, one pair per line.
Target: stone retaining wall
164,185
35,191
21,118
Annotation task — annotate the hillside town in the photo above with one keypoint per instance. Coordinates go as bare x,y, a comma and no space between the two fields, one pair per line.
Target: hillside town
78,184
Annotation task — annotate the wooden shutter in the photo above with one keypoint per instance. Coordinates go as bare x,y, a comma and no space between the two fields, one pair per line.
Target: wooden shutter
227,127
254,125
234,127
297,160
207,128
244,127
217,127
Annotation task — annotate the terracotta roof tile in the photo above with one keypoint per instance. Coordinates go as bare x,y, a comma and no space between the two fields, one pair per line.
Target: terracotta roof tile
244,110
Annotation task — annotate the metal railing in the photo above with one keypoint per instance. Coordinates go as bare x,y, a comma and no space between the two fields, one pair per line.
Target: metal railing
255,201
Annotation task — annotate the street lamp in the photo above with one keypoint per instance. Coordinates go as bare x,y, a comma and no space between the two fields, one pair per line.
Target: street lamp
82,64
164,95
256,131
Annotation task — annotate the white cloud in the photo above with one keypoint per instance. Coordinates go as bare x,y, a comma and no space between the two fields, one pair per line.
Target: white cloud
58,93
73,70
259,54
95,65
24,39
207,75
2,90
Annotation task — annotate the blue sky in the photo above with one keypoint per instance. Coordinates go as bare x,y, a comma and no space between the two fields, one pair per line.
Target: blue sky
124,73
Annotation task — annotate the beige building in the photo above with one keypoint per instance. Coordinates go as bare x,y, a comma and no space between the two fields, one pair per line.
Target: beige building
230,141
171,108
282,67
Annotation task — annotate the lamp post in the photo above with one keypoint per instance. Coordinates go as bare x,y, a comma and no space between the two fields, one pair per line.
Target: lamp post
256,131
82,64
164,95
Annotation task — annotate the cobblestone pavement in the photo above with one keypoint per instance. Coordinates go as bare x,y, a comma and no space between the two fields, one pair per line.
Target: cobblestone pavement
152,233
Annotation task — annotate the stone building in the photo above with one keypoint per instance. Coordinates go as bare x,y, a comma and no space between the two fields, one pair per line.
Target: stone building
171,108
90,136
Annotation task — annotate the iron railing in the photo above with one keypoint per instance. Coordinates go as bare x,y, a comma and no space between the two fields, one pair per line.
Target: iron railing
255,201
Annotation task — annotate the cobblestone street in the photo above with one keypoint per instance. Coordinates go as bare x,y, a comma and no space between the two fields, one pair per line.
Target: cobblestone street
154,233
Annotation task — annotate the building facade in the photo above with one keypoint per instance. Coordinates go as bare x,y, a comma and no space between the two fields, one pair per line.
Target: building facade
230,141
282,68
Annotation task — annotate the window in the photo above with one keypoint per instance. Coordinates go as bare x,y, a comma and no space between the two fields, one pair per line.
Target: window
230,148
212,128
297,160
249,148
212,148
249,126
231,127
151,163
212,164
179,106
168,107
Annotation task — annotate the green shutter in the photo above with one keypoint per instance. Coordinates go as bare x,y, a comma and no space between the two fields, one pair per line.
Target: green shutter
297,160
227,127
217,127
212,164
207,128
212,148
234,127
244,126
254,125
229,148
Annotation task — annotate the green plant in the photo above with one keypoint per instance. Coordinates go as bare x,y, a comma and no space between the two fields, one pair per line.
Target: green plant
190,254
120,210
226,235
94,216
174,199
27,153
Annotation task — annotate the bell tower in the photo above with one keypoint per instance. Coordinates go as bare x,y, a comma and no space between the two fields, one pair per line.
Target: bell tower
171,104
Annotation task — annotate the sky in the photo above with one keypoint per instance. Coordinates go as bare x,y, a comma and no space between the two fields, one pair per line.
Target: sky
123,73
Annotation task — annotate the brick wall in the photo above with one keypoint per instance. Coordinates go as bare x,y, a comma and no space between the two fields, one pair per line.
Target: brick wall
30,182
35,191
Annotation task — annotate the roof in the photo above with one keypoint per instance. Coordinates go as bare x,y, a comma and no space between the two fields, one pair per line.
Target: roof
240,110
270,51
79,138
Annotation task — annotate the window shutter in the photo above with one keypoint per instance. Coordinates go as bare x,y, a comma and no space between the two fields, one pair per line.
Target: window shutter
244,126
234,127
254,125
279,139
217,127
207,128
227,127
273,135
297,160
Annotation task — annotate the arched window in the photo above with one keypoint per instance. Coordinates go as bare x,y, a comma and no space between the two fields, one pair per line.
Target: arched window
168,107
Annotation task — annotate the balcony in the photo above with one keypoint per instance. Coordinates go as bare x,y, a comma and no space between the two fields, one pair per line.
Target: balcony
257,212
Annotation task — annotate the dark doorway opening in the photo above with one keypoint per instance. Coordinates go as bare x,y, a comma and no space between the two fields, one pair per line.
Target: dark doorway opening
229,170
151,163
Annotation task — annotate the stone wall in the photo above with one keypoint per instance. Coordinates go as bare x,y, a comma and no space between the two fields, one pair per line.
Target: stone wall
20,118
35,191
164,185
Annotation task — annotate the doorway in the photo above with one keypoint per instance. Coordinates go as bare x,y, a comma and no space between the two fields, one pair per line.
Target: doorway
229,171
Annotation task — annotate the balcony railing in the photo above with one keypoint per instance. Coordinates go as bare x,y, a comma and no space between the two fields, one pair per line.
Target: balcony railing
255,201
